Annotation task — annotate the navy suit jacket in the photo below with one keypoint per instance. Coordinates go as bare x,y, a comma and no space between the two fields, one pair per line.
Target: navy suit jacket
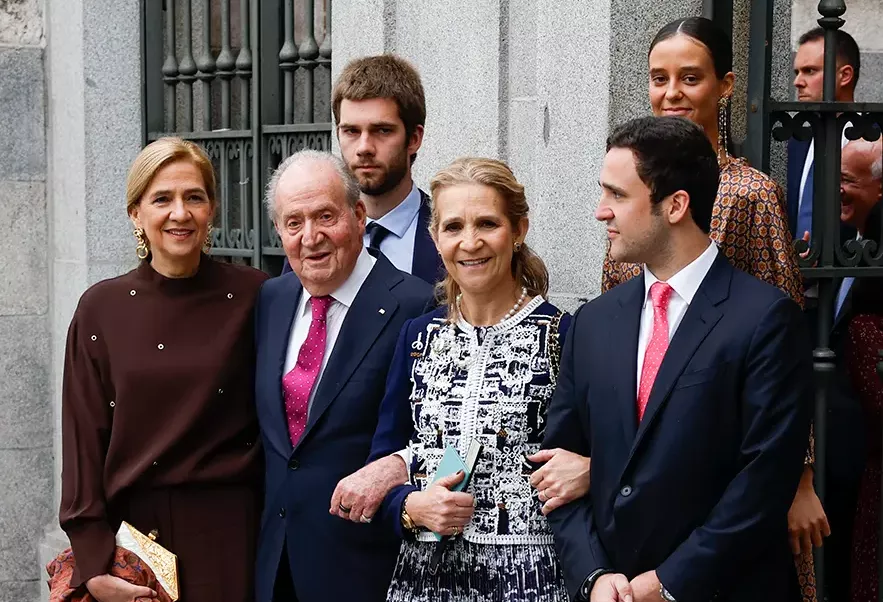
330,558
427,264
700,490
797,153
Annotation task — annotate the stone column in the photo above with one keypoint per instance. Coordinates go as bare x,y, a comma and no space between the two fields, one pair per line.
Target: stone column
94,132
25,400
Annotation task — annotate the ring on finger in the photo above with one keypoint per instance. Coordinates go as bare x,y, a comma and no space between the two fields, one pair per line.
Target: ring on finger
343,508
455,530
365,519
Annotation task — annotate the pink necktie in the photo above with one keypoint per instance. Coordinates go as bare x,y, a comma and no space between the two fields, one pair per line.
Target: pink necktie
660,295
297,384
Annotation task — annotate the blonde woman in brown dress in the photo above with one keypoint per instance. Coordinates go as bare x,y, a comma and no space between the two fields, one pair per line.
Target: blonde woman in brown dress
158,419
690,65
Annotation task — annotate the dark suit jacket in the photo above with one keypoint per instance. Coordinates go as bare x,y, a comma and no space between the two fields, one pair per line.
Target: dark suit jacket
700,490
797,153
427,264
330,559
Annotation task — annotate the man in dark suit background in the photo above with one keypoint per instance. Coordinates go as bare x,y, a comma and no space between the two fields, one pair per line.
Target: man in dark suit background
809,75
861,165
690,388
380,111
324,339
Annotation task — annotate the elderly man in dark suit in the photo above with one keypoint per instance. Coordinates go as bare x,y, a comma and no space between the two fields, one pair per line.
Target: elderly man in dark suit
690,388
324,336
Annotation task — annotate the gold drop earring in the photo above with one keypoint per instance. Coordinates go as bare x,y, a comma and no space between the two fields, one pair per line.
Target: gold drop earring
141,249
723,125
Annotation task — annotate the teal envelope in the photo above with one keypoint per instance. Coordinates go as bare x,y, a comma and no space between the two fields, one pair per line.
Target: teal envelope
451,463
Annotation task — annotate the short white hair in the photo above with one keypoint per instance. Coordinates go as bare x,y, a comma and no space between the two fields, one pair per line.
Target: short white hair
305,157
876,148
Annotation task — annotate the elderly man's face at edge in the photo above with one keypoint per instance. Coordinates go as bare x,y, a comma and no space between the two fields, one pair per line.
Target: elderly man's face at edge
320,231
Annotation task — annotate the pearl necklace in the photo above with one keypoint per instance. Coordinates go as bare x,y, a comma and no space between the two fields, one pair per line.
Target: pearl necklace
509,314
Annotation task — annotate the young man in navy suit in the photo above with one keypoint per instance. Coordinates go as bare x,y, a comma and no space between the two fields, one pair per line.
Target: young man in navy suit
380,111
689,387
325,336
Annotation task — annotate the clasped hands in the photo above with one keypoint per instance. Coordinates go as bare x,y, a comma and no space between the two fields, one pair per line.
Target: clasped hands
616,587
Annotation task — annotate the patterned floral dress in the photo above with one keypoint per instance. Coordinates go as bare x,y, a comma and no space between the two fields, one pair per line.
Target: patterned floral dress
491,384
749,223
865,339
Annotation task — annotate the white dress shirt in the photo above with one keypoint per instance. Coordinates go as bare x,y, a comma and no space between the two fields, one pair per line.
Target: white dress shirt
401,222
303,316
685,284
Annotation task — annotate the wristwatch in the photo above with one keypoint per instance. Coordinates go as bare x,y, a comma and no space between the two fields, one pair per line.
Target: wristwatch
585,590
665,594
408,522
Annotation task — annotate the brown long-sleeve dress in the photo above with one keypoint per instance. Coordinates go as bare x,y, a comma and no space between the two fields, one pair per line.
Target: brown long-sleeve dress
159,426
749,223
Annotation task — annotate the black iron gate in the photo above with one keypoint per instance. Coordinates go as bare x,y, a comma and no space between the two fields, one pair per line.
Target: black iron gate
830,259
248,80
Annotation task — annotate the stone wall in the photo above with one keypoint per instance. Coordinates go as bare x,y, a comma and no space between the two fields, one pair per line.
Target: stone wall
864,21
538,83
25,400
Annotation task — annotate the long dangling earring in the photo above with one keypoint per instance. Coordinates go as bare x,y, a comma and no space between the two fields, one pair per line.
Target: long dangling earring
723,126
141,250
208,239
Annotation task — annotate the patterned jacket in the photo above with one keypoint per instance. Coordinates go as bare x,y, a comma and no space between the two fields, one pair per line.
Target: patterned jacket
492,384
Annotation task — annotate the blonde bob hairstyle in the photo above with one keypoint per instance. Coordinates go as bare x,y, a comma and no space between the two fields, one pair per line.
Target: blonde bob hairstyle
157,155
527,268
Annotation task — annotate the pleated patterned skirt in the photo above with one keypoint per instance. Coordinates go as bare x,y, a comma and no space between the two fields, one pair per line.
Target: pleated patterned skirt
472,572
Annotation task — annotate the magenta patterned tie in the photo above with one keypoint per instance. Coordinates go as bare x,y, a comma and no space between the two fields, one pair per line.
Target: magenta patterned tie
297,384
660,295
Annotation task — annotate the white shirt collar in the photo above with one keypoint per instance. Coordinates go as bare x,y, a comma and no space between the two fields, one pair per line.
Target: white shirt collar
346,292
686,282
398,220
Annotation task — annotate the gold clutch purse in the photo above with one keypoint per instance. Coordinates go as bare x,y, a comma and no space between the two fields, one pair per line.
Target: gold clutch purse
163,563
138,559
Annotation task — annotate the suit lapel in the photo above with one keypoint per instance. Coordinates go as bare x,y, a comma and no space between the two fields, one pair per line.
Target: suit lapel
845,310
281,317
797,152
426,264
625,327
701,316
362,325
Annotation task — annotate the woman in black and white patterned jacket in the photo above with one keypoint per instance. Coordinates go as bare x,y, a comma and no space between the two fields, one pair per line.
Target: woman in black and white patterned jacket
480,368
